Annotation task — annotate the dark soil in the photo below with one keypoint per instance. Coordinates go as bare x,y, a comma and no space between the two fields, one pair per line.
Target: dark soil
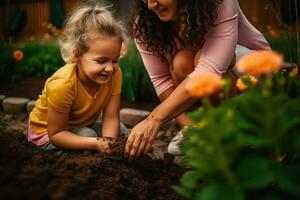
27,172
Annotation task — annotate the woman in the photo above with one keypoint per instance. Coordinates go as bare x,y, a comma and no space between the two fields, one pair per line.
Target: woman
177,40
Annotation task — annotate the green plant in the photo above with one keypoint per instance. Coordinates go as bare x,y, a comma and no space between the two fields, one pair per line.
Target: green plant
40,60
6,60
248,147
284,37
44,60
2,126
285,42
136,86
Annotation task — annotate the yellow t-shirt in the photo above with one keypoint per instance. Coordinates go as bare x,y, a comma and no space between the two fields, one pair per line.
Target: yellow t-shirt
64,92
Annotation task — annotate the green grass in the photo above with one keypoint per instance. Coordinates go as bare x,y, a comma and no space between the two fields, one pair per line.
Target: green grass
2,126
136,84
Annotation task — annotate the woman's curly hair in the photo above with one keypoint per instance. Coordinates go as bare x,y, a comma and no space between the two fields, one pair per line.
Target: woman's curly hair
195,17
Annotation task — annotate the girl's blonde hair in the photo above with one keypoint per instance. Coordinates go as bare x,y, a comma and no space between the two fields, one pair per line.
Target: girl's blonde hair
91,16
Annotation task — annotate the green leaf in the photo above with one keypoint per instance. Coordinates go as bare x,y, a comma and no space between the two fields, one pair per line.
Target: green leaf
286,127
287,178
254,173
2,126
251,140
297,143
185,192
220,191
267,197
198,164
190,179
197,114
246,125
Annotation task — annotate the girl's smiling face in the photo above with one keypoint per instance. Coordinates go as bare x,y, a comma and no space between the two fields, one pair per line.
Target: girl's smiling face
166,10
97,65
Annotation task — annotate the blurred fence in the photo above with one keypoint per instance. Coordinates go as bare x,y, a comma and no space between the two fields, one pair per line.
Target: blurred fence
271,12
25,18
27,15
31,14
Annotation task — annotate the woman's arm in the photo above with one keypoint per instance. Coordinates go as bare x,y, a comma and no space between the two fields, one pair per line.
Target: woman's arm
57,122
221,41
178,101
143,134
111,118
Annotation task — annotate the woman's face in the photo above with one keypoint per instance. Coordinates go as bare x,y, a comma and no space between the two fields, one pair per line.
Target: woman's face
166,10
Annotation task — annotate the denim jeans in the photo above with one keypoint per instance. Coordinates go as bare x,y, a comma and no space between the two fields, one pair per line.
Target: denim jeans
93,130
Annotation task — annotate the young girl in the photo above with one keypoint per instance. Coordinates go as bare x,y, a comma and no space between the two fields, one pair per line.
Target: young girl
179,39
74,96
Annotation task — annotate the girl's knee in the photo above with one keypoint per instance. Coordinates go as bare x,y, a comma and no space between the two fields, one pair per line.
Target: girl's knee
85,132
123,131
183,63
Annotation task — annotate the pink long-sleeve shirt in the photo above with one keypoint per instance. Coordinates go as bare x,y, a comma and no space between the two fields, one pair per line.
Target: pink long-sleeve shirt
231,28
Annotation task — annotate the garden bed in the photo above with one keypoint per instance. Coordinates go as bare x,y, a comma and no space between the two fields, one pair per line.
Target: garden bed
27,172
29,87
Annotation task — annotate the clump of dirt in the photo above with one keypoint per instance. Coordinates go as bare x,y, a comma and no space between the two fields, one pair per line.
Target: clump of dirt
27,172
118,147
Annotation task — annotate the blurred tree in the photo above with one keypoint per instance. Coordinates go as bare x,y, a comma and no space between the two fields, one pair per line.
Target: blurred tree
290,11
16,23
57,14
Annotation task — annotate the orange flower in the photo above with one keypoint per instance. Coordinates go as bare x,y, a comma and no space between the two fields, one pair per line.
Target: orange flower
274,34
242,86
49,26
269,27
32,38
18,55
260,62
204,84
57,32
47,36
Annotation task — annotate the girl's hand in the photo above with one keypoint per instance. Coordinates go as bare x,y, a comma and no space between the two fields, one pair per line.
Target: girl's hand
141,138
104,144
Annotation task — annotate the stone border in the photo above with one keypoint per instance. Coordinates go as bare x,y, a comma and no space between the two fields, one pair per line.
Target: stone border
16,105
128,116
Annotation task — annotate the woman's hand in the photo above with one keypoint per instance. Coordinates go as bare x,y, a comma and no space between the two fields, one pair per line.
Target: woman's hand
141,137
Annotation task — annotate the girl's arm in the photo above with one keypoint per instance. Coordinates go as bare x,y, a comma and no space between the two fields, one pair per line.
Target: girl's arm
57,122
111,118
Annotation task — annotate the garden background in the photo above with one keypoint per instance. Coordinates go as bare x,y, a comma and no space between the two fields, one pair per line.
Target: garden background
32,27
246,147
